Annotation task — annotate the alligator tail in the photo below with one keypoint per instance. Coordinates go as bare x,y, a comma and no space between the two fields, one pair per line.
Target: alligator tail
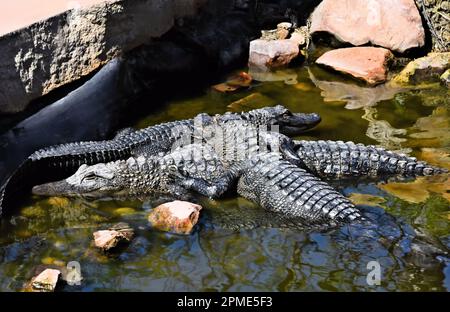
336,159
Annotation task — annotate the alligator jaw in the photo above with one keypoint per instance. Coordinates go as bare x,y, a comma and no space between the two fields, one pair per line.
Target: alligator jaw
54,189
299,122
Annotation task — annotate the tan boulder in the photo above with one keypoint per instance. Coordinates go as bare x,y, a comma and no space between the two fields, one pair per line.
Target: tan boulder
271,54
46,281
365,63
177,216
393,24
429,67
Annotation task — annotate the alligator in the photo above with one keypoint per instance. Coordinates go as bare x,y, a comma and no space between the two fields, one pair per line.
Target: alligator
276,184
144,175
62,160
337,159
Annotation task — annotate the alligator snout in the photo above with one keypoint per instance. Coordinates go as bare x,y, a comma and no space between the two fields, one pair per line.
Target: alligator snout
52,189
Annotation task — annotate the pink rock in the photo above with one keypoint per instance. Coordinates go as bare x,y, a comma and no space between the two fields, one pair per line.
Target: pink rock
366,63
177,217
393,24
46,280
108,239
268,54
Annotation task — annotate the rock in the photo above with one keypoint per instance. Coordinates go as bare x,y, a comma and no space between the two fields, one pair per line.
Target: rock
272,54
241,80
300,36
393,24
46,281
429,67
252,101
62,46
178,217
445,78
283,30
108,239
124,211
366,63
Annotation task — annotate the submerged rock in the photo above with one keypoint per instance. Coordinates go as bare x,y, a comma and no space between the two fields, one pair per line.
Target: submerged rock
108,239
429,67
272,54
288,75
177,216
241,80
46,281
393,24
366,63
445,78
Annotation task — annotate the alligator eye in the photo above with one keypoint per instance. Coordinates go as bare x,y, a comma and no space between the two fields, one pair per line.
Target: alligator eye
90,176
287,114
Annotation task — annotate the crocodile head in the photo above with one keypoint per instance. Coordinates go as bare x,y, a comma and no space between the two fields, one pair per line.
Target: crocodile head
289,123
88,180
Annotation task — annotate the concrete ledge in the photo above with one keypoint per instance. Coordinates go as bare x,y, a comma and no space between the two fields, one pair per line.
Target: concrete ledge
63,48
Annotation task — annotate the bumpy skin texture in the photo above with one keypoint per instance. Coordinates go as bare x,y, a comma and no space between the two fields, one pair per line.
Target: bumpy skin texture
337,159
225,143
57,162
176,173
280,186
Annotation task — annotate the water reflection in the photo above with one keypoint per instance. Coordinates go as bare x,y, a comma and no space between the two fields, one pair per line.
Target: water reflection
382,132
355,96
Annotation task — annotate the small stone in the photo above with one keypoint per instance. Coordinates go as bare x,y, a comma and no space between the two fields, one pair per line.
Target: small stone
284,25
272,54
300,36
252,101
46,281
271,34
108,239
283,30
366,63
241,80
429,67
178,217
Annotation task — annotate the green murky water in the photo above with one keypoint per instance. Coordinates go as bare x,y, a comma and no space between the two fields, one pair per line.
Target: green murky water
413,217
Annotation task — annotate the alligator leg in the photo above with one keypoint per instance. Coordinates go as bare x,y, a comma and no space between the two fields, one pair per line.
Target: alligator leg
211,189
280,186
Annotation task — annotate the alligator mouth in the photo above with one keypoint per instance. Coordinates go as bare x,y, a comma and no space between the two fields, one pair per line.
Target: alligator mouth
55,189
299,122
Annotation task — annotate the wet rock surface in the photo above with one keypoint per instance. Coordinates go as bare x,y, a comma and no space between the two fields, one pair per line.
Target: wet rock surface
46,281
112,237
445,78
271,54
429,67
393,24
177,217
366,63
